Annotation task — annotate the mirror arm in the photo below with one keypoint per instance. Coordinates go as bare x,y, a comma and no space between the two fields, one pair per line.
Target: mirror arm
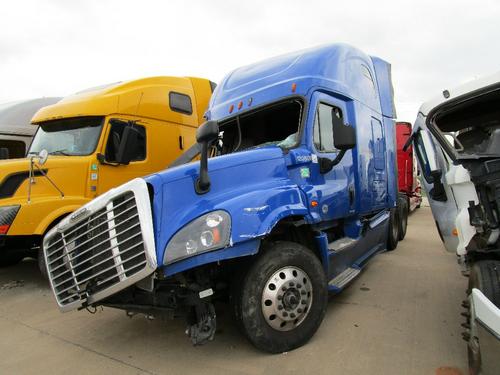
326,165
202,185
409,141
102,159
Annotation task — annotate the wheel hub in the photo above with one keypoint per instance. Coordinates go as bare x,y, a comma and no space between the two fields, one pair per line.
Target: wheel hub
287,298
291,299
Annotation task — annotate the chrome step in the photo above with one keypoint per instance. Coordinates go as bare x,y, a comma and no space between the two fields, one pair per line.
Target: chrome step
341,280
341,244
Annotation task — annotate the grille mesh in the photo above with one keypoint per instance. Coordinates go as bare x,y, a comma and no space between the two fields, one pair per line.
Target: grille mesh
102,250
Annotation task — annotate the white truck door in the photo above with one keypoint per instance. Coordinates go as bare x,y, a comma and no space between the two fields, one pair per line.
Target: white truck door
448,189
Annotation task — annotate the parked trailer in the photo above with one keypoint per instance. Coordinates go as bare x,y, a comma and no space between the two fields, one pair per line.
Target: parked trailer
16,131
408,183
457,142
88,143
295,190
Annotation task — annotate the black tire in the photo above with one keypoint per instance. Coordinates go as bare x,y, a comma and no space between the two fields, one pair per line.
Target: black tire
485,276
403,218
10,258
393,229
41,265
249,301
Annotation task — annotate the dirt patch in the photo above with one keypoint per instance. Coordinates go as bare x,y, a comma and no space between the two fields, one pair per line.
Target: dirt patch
12,284
448,371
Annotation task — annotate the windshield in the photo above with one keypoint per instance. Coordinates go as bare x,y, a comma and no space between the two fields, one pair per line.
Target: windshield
472,128
274,125
72,137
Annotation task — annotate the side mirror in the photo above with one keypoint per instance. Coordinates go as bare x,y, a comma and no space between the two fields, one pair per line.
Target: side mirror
206,134
4,153
344,136
432,164
128,145
429,164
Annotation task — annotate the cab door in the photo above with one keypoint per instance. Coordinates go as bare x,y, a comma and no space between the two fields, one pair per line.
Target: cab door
334,188
377,172
448,189
109,172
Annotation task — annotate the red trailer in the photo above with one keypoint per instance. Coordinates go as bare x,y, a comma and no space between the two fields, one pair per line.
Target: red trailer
408,184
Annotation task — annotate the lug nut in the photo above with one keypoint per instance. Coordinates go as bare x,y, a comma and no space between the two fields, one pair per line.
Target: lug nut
280,297
292,315
299,286
291,284
303,292
303,302
299,311
283,288
280,307
285,314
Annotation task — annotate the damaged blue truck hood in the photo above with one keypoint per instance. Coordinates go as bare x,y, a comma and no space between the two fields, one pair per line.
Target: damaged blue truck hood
252,186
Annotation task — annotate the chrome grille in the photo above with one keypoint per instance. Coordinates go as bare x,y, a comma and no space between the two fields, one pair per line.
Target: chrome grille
101,253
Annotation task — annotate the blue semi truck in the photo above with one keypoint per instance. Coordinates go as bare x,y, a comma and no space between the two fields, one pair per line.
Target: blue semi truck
291,188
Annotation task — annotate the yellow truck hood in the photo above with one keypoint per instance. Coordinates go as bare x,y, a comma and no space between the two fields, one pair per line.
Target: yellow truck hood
69,173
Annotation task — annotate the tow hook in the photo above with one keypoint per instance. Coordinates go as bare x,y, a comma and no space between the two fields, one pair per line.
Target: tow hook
204,329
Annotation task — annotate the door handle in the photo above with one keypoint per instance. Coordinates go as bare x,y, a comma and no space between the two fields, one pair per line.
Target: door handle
352,195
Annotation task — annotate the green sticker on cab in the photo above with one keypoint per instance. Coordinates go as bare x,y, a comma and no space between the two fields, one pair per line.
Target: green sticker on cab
305,173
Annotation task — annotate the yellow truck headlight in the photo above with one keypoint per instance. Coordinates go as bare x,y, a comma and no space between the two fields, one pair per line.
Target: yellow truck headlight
208,232
7,216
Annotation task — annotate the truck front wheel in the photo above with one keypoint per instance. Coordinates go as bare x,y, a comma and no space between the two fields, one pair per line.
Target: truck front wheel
485,276
283,298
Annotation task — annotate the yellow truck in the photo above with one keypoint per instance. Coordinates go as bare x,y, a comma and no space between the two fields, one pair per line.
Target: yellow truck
88,143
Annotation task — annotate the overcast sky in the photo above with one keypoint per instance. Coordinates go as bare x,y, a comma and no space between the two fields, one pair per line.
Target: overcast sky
58,47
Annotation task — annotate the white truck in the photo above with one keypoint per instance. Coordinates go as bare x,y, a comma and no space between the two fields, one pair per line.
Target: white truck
457,142
16,130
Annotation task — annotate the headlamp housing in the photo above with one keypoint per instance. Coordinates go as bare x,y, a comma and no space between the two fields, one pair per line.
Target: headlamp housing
209,232
7,216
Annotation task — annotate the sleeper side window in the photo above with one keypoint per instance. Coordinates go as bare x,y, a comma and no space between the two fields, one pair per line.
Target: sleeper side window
323,127
180,103
115,137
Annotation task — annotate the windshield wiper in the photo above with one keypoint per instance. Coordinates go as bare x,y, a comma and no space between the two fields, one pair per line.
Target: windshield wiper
59,152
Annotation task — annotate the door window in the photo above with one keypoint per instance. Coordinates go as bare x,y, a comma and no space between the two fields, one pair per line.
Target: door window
323,127
422,157
17,149
115,137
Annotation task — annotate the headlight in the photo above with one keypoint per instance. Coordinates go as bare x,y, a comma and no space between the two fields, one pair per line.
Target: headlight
206,233
7,216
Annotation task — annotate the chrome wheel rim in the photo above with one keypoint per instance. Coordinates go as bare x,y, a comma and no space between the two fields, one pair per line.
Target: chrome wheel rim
287,298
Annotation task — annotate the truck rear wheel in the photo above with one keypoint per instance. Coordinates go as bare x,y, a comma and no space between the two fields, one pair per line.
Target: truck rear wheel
403,218
485,276
393,235
283,298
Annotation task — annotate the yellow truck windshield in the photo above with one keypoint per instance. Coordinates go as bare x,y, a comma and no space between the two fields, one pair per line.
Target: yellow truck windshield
73,137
